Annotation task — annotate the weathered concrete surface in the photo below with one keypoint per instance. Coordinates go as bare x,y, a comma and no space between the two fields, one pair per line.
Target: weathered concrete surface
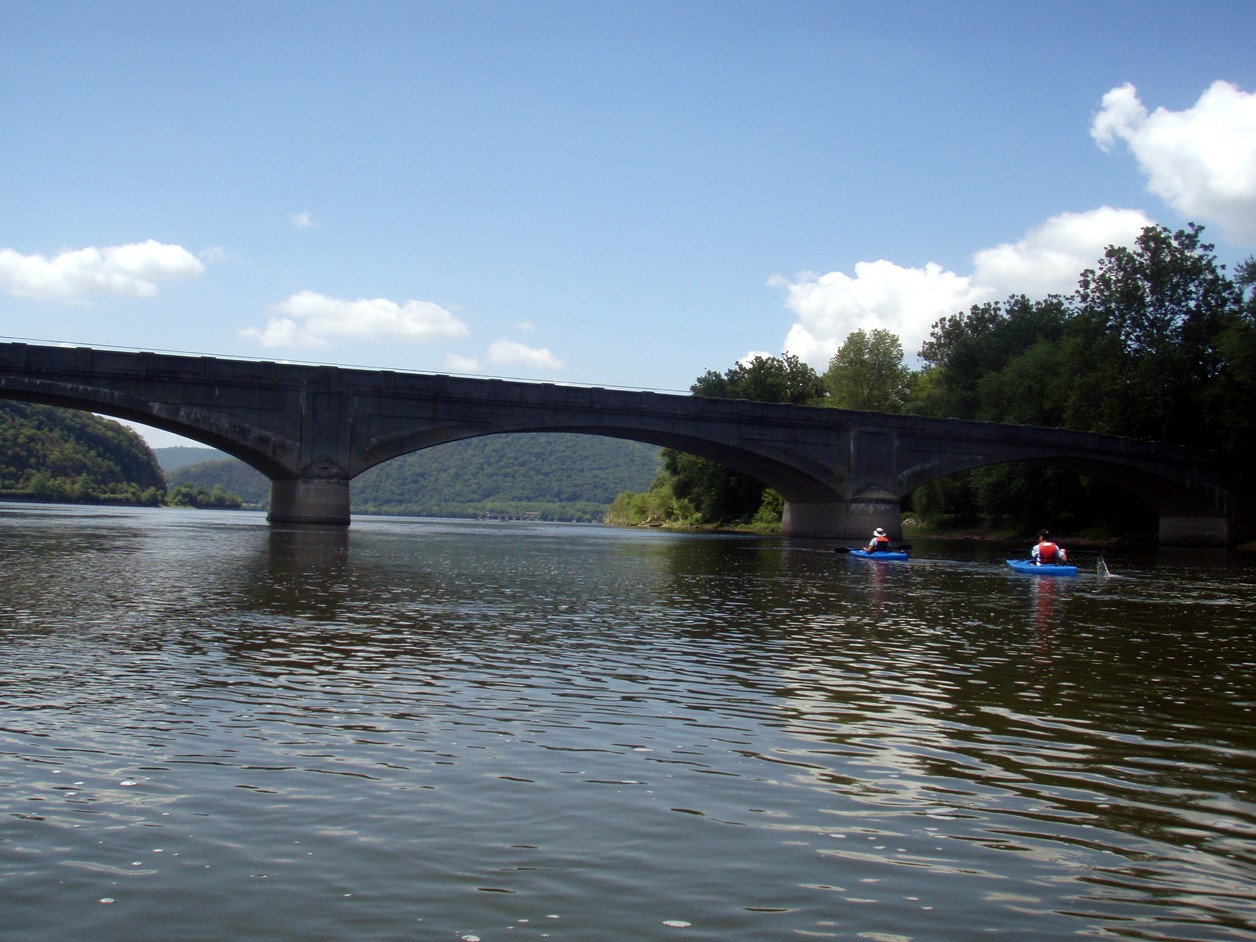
311,429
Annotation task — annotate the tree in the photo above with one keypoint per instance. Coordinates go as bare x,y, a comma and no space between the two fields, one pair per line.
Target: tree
194,495
1156,343
963,350
691,490
868,373
1156,312
1229,402
764,379
68,455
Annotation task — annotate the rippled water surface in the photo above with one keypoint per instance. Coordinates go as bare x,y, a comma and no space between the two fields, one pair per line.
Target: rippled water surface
214,730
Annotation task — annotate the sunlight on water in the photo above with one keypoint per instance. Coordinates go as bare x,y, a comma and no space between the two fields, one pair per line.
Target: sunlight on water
425,729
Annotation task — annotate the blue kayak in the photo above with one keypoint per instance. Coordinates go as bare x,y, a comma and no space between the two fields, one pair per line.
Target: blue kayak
1047,569
898,555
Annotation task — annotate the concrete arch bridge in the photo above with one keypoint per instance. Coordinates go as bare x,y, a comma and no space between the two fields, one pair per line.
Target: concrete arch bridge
311,429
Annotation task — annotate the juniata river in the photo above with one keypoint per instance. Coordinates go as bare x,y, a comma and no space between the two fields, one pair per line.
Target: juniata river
214,730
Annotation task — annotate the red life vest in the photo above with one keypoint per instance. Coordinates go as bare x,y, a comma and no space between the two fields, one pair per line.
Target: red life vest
1047,552
880,544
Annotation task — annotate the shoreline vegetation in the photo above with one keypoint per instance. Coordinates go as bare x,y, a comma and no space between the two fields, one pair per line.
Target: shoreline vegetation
924,530
1160,339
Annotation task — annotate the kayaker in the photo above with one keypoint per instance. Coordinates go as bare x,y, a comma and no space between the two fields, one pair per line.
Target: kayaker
880,542
1046,552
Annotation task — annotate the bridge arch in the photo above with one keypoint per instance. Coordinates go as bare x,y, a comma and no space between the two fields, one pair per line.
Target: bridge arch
1191,509
253,446
311,429
794,479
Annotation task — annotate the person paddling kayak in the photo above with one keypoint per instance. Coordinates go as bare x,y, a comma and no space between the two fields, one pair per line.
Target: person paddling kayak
1046,552
880,541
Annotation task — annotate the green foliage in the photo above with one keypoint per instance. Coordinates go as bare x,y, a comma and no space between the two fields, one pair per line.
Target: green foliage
193,495
174,457
965,350
1152,317
1228,402
765,379
659,506
693,491
868,373
69,456
1152,340
557,475
1156,343
248,485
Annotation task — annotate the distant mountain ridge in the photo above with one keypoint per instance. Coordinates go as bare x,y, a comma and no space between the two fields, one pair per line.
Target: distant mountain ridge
558,476
180,456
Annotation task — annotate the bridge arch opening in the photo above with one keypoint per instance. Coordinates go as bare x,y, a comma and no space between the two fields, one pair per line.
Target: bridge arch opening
507,474
1023,496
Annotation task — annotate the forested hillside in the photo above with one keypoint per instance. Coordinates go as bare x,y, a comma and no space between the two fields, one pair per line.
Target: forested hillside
69,456
222,474
175,457
558,476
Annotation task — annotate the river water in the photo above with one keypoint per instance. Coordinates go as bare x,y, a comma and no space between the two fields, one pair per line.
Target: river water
419,729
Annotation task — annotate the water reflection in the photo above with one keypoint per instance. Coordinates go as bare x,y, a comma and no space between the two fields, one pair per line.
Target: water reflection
476,728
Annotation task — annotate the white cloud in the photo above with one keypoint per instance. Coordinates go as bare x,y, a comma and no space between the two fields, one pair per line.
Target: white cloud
460,364
215,254
881,295
513,352
73,275
302,220
315,320
1049,258
908,301
1201,161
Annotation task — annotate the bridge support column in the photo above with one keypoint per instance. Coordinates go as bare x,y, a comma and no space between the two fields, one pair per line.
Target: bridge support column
843,519
1195,531
323,500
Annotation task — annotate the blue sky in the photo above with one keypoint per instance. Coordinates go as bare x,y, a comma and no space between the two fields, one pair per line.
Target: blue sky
606,193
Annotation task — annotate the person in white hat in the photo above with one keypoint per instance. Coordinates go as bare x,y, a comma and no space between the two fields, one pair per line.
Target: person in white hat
880,542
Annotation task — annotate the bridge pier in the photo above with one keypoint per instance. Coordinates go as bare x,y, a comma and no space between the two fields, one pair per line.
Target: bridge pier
1197,531
844,519
321,500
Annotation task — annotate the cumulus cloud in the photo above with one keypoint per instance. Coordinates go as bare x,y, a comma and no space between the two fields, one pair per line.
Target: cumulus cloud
302,220
310,319
503,352
908,301
1201,161
460,364
880,295
1048,259
74,275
